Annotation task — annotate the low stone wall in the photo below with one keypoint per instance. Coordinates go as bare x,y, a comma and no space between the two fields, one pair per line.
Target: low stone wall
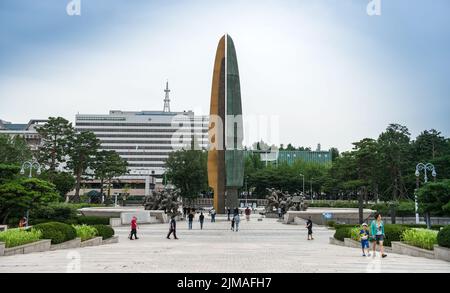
92,242
38,246
143,217
344,215
352,243
115,222
2,248
114,239
75,243
334,241
442,253
402,248
3,228
160,216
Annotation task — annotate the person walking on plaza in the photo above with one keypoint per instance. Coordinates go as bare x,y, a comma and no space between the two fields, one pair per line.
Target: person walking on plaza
190,220
172,228
280,213
309,226
247,213
377,234
237,220
364,236
232,224
133,228
201,219
213,215
229,213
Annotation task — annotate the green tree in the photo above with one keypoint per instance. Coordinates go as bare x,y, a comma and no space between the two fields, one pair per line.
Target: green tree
82,149
334,154
434,198
252,163
8,172
64,182
19,195
107,166
55,137
429,145
395,156
187,170
13,150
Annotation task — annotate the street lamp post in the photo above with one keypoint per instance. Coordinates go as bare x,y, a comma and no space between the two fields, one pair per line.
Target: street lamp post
303,177
310,190
425,167
30,165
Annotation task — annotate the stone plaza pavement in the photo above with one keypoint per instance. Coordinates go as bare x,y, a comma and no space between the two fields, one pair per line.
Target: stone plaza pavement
260,247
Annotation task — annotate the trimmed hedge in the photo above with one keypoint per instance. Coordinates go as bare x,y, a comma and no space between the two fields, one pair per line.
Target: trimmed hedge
57,232
443,237
342,232
104,231
393,232
91,220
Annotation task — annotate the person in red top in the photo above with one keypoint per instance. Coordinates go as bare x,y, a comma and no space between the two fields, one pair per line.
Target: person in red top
133,228
247,213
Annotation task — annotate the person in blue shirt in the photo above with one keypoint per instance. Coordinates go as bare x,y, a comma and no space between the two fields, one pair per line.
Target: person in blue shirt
364,236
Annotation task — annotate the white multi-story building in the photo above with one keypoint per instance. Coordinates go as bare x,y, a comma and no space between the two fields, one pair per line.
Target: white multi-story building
146,138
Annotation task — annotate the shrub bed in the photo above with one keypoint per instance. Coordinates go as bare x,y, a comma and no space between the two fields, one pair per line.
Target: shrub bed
85,232
342,232
104,231
331,223
422,238
54,212
443,237
17,237
91,220
57,232
393,232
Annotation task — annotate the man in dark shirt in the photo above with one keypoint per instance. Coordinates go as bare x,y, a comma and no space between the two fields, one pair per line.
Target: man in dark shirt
309,225
173,228
201,219
190,219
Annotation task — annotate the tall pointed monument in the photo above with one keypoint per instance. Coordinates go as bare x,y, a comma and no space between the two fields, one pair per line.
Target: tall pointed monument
225,156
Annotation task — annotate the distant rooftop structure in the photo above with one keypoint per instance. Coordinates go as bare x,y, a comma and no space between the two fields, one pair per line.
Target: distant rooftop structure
167,98
27,131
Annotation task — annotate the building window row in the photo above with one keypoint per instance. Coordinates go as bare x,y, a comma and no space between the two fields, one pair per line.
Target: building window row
175,123
127,130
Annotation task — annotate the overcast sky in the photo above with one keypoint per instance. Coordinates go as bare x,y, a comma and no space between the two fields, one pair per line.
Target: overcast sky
324,69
